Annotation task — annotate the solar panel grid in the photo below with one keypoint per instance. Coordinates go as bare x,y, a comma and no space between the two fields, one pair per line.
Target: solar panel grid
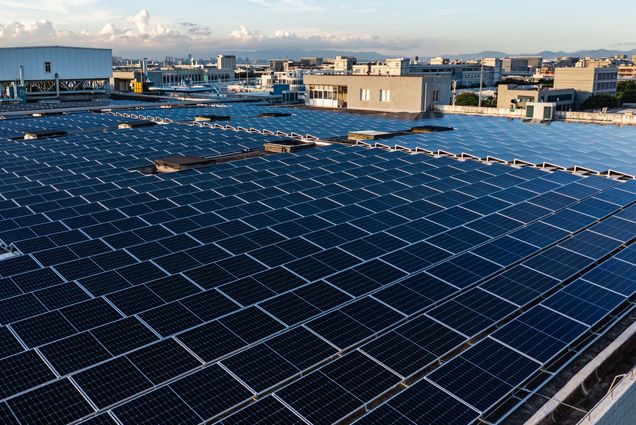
378,273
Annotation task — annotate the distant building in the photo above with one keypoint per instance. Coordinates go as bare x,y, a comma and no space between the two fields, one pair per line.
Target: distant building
278,65
586,81
496,65
226,62
439,61
566,61
627,72
179,75
55,71
293,79
343,64
513,96
392,67
522,66
310,62
466,75
377,93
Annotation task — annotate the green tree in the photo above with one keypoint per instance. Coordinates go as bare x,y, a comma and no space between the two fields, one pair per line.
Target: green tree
467,99
600,101
626,91
489,102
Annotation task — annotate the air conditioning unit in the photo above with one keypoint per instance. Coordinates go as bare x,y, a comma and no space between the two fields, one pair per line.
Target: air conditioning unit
540,111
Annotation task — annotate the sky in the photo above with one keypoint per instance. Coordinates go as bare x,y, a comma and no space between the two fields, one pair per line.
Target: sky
396,27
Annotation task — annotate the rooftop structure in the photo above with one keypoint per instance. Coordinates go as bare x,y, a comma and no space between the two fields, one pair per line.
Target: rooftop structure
513,96
339,283
377,93
52,71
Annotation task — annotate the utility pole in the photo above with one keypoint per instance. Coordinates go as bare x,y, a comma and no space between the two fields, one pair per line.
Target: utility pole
481,80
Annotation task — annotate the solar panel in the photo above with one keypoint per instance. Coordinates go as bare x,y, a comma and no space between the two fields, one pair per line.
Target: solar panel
304,286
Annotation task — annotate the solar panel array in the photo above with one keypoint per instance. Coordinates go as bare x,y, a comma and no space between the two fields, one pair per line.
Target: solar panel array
16,127
23,107
293,288
304,122
568,145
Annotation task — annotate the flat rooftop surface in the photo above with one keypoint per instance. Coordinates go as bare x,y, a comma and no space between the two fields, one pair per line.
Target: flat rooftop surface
568,145
335,284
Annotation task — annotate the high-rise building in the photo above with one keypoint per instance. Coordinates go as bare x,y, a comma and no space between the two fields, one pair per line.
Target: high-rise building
226,62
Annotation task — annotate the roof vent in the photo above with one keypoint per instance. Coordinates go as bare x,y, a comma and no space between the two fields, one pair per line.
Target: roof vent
287,146
181,162
212,118
43,134
136,124
369,135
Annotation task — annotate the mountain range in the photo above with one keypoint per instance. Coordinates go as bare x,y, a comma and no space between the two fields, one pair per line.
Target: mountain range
371,55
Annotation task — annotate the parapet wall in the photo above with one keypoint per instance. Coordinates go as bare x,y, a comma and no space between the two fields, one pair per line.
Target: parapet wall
589,117
597,117
476,110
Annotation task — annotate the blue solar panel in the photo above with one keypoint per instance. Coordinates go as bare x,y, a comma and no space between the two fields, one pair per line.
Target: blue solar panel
326,277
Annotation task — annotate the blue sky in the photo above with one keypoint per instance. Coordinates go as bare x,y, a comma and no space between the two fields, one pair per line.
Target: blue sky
407,27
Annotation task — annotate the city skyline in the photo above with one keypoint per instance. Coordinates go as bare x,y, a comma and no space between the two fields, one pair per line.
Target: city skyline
402,28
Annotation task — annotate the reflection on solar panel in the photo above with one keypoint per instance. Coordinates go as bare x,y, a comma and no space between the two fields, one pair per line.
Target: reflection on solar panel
292,288
568,145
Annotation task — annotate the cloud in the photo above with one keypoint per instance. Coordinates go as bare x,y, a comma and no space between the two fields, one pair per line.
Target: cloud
244,35
32,30
140,35
196,30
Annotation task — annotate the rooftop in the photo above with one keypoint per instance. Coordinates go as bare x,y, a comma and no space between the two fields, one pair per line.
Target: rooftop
340,283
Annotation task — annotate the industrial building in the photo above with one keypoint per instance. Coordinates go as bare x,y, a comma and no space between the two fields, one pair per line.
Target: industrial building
54,71
587,81
516,96
377,93
179,75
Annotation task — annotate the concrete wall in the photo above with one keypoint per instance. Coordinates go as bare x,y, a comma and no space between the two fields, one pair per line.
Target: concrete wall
589,117
71,63
596,117
475,110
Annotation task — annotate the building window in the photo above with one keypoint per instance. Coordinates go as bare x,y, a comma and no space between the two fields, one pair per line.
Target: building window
385,95
47,66
435,95
365,94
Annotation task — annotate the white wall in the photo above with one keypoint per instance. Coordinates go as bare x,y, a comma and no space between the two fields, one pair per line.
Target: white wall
68,62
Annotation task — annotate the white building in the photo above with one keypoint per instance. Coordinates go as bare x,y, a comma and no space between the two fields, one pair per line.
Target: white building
55,70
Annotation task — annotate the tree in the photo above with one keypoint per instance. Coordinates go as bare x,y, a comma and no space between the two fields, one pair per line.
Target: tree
626,91
598,101
489,102
467,99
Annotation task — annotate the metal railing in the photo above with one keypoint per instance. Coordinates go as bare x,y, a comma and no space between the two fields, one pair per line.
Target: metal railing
617,381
